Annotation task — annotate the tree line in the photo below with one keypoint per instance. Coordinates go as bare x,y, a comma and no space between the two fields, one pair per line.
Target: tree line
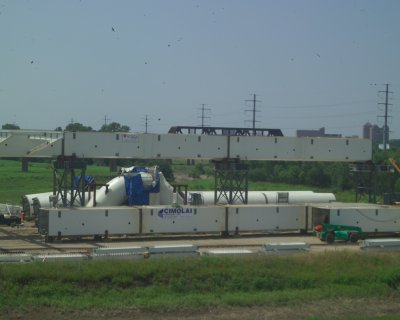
377,174
337,176
76,126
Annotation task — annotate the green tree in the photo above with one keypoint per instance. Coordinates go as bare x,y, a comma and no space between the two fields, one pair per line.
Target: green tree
114,127
397,186
341,177
166,168
315,175
10,126
258,174
74,127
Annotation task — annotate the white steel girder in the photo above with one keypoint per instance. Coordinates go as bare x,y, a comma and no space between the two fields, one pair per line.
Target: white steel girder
50,144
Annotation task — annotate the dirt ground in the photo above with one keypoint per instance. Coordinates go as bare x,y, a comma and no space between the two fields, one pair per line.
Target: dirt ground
328,309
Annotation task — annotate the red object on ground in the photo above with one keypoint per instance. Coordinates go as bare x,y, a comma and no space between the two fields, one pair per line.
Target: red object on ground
318,228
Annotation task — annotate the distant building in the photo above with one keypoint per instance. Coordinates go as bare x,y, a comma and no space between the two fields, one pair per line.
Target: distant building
374,133
317,133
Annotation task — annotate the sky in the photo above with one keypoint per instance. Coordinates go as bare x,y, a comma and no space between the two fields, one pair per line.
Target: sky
311,63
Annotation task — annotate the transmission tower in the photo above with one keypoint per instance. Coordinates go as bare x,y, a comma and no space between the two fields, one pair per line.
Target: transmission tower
385,116
146,123
254,111
203,116
105,120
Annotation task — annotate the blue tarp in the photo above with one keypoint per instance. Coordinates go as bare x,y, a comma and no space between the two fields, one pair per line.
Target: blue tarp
88,180
137,195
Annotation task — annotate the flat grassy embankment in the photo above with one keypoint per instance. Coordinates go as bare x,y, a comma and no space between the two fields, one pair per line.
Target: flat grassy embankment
199,283
14,183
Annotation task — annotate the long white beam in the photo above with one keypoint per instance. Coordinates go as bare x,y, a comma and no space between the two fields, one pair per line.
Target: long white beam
48,144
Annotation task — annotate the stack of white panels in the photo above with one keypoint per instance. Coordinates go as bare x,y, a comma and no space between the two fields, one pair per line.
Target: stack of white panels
60,257
20,257
380,244
120,253
220,252
286,247
173,250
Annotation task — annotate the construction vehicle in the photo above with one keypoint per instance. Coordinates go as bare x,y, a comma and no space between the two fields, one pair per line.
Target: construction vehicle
395,165
9,220
334,232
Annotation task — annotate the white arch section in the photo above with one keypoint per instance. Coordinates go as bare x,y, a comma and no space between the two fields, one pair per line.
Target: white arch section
21,143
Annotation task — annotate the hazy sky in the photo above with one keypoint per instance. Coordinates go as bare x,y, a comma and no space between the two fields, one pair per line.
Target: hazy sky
311,63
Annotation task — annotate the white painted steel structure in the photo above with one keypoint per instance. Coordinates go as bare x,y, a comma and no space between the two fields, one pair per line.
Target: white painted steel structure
21,143
27,202
45,200
267,197
158,219
114,194
371,218
65,222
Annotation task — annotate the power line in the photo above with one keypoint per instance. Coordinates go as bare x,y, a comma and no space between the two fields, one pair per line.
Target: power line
324,116
343,104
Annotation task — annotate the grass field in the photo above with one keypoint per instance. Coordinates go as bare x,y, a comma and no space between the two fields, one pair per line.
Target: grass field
200,283
14,183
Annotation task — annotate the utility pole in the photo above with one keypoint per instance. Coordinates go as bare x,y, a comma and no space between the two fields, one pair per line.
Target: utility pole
146,123
203,112
385,116
105,120
253,110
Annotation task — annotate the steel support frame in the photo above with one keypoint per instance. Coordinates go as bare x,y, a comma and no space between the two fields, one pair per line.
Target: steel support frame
69,183
365,186
366,181
231,181
182,190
